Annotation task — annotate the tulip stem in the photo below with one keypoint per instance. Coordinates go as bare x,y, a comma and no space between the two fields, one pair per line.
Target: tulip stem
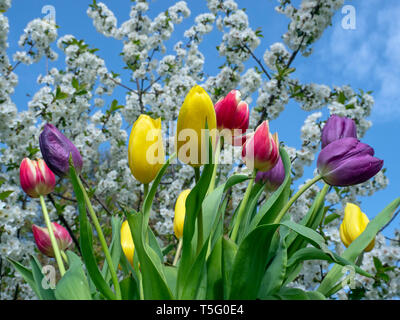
295,197
145,190
178,252
200,215
241,210
53,240
102,241
64,256
196,174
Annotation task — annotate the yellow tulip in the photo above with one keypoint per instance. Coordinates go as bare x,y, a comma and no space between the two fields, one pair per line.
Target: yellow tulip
191,144
145,150
180,210
354,223
127,242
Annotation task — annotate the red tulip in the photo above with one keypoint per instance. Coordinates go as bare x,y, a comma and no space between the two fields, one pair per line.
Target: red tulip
36,178
43,242
261,149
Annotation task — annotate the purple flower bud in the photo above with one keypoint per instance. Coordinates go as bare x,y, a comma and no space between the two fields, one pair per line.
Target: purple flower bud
272,178
56,148
337,128
347,161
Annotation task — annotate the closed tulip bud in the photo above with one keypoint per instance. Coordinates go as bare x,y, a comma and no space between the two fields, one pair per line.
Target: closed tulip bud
337,128
354,223
36,178
261,149
191,140
56,149
272,178
232,114
146,153
347,161
127,242
180,210
43,242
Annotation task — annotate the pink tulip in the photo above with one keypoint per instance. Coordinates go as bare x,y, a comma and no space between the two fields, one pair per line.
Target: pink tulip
232,114
261,149
43,242
36,178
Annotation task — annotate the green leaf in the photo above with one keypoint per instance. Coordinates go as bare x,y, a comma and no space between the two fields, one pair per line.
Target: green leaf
73,285
115,248
331,218
153,243
45,293
229,250
271,208
86,240
5,194
358,245
248,269
171,274
298,294
214,273
129,289
26,274
275,273
154,282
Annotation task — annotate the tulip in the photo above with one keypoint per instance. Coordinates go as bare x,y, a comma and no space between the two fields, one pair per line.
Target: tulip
197,111
261,148
347,161
56,149
337,128
145,150
36,178
232,114
43,241
180,210
354,223
127,242
272,178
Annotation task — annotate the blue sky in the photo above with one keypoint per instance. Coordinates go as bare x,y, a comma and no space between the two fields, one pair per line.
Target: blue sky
367,58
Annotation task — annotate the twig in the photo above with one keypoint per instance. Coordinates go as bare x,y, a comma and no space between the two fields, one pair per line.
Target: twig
258,61
64,197
390,221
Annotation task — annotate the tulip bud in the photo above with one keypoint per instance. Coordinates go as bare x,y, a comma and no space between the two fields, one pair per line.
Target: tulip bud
180,210
337,128
272,178
261,149
354,223
232,114
127,242
346,162
56,149
43,242
36,178
191,140
145,150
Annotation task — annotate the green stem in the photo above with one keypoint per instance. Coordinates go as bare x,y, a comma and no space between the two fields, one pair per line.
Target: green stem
102,241
241,209
145,190
141,294
295,197
53,240
64,256
200,215
178,252
196,174
216,161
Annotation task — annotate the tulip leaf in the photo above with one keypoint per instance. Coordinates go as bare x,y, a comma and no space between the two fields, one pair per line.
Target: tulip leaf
296,294
154,283
26,274
73,285
171,273
248,269
44,288
271,208
115,247
311,253
86,240
153,243
229,250
214,273
129,288
275,273
357,247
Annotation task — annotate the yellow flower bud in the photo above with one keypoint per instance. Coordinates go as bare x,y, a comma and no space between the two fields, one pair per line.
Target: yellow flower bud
191,143
127,242
354,223
180,210
145,150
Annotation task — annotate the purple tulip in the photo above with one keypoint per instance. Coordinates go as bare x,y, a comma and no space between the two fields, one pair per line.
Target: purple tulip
272,178
337,128
346,162
56,148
